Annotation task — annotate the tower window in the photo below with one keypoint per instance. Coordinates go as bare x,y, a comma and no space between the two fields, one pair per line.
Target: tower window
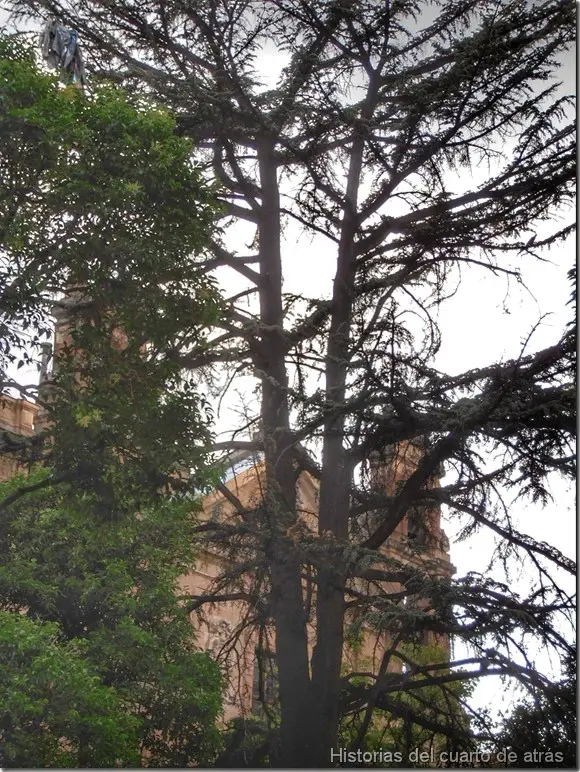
265,687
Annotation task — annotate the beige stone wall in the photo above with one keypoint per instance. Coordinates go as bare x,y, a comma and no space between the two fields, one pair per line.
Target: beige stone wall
16,416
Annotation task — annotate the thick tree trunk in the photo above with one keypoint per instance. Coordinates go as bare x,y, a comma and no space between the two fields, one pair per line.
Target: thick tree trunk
336,470
333,519
280,488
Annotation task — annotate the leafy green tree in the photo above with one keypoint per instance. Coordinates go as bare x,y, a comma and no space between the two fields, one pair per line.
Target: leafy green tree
104,597
546,723
102,215
56,712
102,218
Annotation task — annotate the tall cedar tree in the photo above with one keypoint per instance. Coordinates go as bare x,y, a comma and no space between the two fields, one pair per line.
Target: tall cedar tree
367,141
